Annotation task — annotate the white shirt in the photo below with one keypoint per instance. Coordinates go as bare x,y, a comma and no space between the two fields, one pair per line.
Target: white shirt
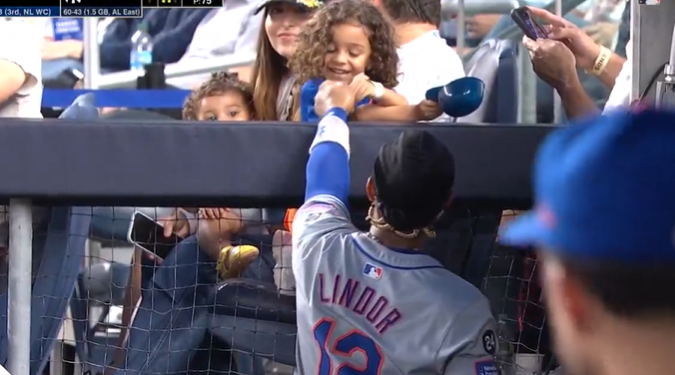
620,95
25,52
425,63
229,30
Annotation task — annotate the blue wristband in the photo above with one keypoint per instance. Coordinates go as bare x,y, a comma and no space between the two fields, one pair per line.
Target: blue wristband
337,112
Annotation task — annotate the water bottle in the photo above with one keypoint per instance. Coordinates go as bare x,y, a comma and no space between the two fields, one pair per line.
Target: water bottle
141,49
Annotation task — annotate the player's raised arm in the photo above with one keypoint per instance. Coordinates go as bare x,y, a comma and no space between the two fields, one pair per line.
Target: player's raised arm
327,170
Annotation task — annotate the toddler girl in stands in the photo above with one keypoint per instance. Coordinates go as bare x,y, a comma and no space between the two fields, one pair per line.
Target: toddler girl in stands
348,41
222,98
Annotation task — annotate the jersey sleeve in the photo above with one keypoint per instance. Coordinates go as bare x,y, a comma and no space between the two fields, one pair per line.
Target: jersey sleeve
321,216
324,214
471,343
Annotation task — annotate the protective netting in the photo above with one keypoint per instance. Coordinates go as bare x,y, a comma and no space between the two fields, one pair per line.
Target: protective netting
181,317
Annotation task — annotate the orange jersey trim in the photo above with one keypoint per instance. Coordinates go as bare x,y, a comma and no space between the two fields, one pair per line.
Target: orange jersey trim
288,219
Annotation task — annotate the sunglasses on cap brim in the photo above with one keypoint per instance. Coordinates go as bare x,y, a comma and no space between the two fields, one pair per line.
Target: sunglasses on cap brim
303,4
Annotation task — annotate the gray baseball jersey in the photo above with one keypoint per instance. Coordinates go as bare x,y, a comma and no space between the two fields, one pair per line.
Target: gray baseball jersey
367,309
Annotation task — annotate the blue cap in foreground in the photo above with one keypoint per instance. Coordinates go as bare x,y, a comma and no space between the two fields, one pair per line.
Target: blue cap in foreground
605,190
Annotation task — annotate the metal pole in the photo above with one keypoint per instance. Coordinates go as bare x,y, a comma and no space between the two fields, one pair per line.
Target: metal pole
461,27
92,62
527,98
635,45
557,102
19,286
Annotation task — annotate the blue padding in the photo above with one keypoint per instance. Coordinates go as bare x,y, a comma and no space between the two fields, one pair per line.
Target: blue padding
118,98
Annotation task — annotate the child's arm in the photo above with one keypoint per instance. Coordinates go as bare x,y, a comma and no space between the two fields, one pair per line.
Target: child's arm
391,98
375,112
365,88
397,113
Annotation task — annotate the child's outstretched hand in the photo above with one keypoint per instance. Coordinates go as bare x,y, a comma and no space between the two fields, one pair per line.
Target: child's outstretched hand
362,87
428,110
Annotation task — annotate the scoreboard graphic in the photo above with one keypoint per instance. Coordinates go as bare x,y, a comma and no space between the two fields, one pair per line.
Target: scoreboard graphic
94,8
649,2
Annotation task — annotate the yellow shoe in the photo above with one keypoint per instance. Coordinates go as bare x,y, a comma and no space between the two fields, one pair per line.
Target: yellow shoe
233,260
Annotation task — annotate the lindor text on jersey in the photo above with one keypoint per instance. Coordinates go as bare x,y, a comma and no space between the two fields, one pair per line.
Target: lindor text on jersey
362,300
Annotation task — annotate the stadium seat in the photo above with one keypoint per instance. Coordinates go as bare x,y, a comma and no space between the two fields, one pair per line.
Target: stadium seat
496,63
101,285
53,286
252,317
82,108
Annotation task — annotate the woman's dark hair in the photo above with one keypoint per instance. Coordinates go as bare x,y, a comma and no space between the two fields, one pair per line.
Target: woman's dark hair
627,290
269,69
316,37
218,84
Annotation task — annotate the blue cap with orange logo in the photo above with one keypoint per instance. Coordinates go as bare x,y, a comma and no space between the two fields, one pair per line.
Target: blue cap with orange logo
605,191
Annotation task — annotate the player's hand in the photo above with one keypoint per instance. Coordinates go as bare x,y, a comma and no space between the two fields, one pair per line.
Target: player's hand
552,61
583,47
362,87
428,110
333,95
175,223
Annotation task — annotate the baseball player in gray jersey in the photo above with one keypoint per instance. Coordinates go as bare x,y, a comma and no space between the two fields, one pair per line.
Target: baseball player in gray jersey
371,303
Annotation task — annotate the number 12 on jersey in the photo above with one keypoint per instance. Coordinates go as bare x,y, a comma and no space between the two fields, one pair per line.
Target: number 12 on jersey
346,345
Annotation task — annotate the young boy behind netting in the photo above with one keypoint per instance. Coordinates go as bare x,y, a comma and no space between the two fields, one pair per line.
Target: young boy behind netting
348,41
221,98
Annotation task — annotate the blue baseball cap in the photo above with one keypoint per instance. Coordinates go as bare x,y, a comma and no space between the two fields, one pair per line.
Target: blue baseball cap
605,191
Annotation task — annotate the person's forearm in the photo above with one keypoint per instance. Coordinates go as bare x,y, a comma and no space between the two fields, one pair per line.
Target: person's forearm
576,101
612,70
130,303
327,170
210,242
403,114
391,98
12,78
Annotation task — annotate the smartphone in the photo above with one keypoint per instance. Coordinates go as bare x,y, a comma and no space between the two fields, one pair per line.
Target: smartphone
523,18
148,234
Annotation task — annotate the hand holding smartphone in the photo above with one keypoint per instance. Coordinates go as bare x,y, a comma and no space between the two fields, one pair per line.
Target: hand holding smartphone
532,29
148,235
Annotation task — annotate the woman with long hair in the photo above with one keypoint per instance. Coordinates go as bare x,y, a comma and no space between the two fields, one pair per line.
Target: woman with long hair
275,94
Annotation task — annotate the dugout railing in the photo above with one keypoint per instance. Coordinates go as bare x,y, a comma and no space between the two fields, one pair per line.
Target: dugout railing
72,166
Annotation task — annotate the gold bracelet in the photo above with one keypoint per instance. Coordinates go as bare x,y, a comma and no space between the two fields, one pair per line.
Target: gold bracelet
601,61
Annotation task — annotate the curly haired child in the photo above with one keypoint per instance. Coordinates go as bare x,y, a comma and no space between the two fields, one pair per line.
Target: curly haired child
222,98
348,41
